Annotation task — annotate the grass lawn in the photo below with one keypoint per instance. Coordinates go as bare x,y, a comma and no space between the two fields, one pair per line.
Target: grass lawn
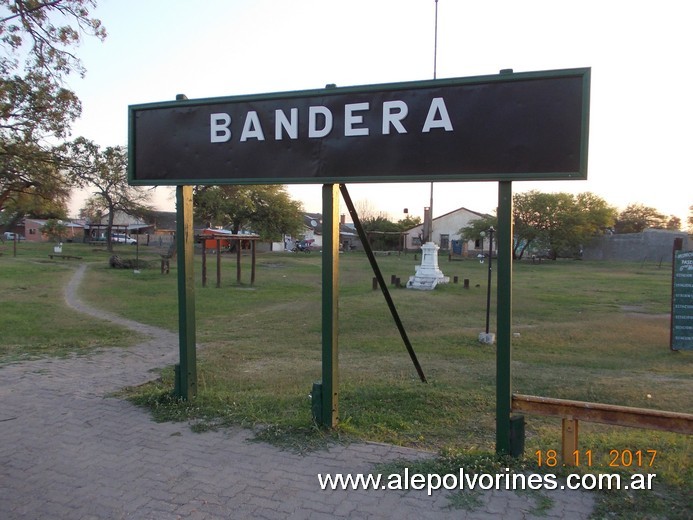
35,322
588,331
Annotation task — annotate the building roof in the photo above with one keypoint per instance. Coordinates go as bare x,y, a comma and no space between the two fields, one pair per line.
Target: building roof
458,210
74,223
313,221
163,219
480,215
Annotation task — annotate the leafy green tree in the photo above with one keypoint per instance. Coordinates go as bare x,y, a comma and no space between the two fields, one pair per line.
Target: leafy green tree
268,210
35,106
92,210
674,223
31,180
31,203
476,227
55,229
594,217
528,209
409,222
638,217
105,173
559,223
383,234
690,218
276,213
554,223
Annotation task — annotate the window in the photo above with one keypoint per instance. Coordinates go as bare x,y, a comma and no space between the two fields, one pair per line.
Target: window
445,241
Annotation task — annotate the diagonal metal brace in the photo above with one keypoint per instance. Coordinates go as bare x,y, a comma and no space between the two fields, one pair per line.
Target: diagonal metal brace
381,281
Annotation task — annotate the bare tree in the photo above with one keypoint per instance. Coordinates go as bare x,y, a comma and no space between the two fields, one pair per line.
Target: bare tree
366,211
105,173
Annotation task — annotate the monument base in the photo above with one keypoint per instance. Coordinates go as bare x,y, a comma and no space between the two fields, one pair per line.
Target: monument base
425,283
428,275
487,338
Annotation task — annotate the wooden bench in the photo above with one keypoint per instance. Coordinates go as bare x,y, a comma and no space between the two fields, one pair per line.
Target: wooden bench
65,257
573,411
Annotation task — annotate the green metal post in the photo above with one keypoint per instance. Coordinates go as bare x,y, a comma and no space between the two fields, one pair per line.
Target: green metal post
330,307
186,374
504,242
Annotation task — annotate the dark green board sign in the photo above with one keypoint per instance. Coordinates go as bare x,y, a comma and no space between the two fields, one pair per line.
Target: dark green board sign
682,302
517,126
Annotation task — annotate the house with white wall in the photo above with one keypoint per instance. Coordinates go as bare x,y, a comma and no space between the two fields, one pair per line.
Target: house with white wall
446,233
348,238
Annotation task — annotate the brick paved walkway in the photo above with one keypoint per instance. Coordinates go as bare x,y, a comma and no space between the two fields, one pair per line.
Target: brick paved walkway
69,451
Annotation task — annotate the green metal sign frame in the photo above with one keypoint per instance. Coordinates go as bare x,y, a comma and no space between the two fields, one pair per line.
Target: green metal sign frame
163,152
513,126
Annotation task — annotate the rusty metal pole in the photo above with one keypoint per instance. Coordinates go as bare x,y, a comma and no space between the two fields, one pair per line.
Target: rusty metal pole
330,306
186,371
504,242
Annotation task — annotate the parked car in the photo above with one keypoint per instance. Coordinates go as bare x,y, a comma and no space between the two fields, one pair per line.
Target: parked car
119,238
11,236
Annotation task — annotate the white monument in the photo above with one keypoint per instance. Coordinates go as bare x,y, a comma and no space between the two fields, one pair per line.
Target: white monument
428,274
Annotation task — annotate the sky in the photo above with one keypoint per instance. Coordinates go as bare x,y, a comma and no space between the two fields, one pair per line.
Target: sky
641,111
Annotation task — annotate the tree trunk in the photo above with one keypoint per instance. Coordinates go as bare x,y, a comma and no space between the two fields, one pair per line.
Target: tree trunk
109,230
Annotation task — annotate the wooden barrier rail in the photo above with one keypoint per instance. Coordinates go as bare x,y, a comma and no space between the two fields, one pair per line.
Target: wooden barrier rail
573,411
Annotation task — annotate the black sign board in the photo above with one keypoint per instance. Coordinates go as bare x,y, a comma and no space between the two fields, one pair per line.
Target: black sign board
524,126
682,302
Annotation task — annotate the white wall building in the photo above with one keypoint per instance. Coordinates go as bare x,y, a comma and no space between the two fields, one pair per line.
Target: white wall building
446,232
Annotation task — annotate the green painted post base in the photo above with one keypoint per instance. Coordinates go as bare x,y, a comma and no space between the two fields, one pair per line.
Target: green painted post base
517,436
316,402
176,380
